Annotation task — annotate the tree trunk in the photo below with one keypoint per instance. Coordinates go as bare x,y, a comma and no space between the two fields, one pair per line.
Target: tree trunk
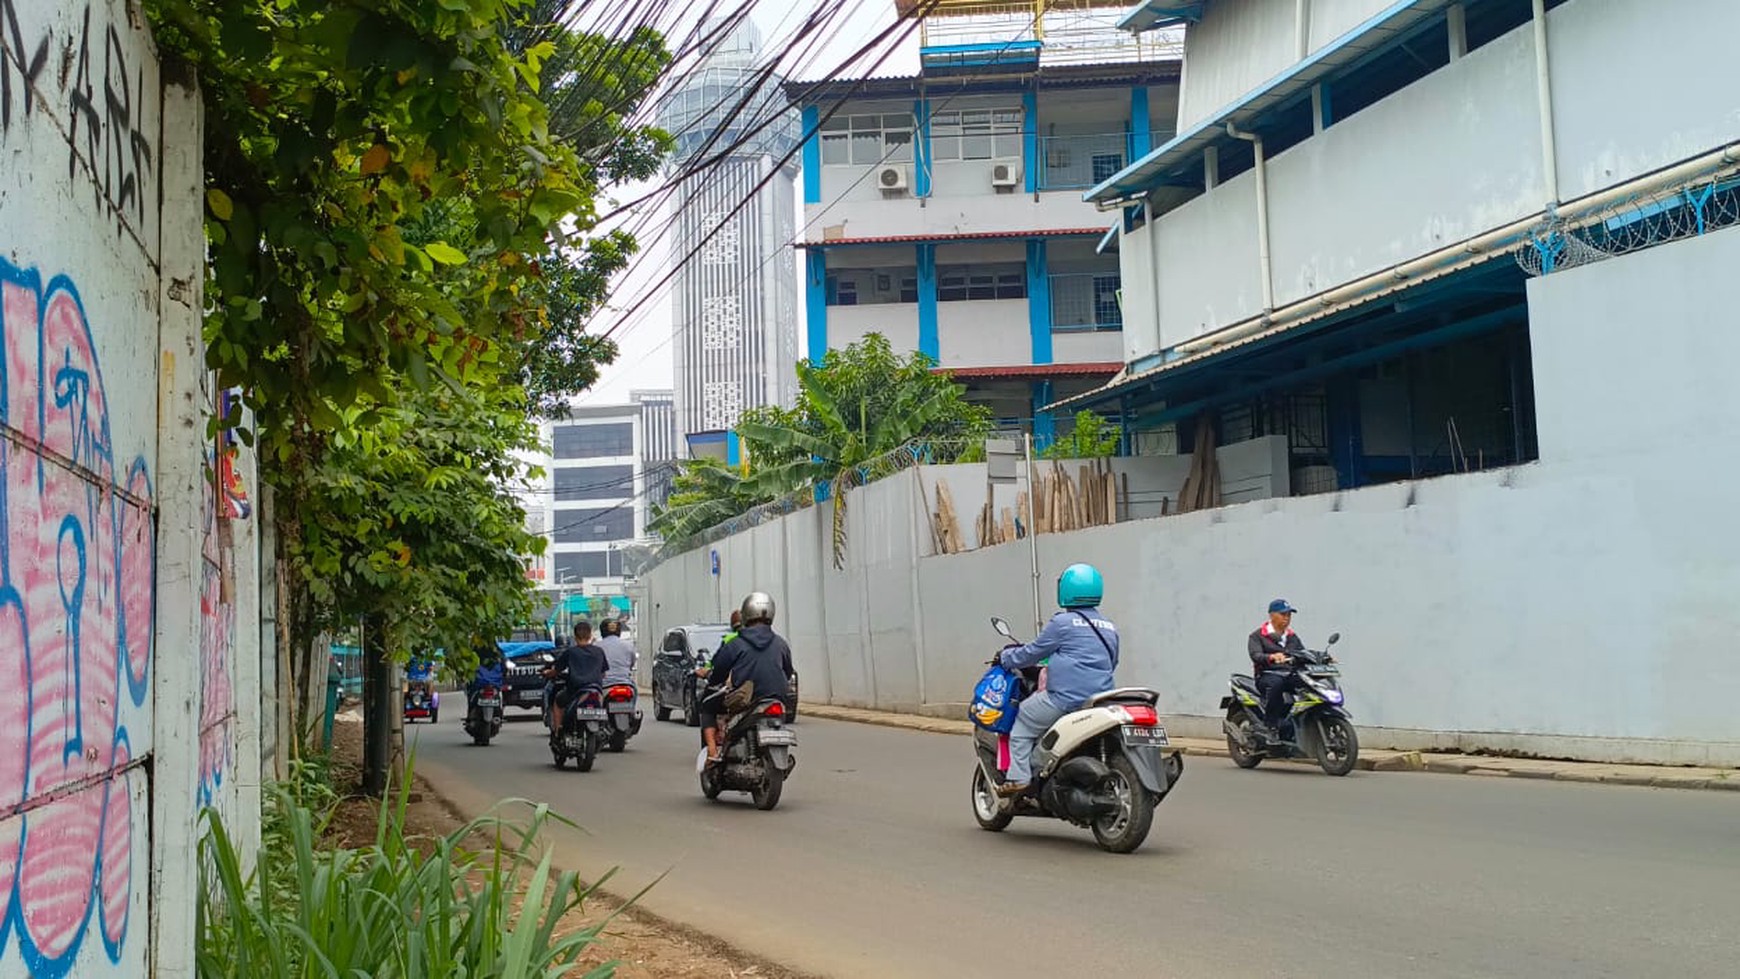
378,698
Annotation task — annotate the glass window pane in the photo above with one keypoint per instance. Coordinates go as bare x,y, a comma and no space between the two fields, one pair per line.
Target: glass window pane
976,147
945,119
835,150
900,120
977,117
862,123
866,148
1008,147
835,125
899,147
948,148
1008,117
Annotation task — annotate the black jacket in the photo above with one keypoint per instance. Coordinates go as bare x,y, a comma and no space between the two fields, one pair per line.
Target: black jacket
1262,646
581,666
757,654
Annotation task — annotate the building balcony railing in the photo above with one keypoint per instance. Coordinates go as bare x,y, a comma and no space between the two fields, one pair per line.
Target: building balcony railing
1080,162
1085,301
993,33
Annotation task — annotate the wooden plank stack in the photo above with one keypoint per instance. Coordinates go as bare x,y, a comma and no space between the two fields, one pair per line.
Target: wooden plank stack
1061,502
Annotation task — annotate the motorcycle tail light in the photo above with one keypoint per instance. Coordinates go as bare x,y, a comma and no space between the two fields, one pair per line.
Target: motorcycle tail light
1141,715
490,691
619,695
775,709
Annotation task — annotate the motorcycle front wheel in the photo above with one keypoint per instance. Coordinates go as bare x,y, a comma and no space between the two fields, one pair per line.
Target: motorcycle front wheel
1125,831
988,810
1337,745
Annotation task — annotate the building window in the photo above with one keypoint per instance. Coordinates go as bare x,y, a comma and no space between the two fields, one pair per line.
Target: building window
1083,301
865,140
976,134
1106,166
594,526
574,567
872,286
593,441
959,283
593,483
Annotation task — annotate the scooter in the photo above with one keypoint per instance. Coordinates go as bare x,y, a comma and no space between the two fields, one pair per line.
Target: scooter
757,757
583,730
1103,767
622,703
483,707
1322,728
422,702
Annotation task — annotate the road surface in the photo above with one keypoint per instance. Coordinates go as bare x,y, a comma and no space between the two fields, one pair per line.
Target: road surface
872,865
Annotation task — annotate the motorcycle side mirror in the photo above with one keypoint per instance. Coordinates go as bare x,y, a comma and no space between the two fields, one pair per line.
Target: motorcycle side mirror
1001,627
1334,637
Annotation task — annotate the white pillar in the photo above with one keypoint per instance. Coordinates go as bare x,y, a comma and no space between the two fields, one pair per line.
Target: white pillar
247,664
181,421
1457,22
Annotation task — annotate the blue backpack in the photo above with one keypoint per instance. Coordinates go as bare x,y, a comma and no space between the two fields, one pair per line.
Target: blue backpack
996,699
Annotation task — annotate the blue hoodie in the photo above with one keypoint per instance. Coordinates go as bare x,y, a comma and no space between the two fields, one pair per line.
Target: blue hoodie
1081,665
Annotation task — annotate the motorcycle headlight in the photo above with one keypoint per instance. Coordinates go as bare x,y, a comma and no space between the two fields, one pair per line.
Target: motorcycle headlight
1332,695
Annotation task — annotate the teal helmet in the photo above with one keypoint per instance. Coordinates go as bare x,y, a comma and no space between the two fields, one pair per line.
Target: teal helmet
1080,586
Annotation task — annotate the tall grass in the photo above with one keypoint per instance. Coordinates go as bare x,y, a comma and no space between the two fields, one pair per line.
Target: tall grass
389,909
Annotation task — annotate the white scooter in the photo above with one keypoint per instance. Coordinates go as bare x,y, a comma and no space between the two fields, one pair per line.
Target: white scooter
1103,767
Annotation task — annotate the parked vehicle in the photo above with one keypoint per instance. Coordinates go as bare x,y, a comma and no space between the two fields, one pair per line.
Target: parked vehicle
1322,728
483,709
526,662
757,757
622,703
675,684
1103,767
584,729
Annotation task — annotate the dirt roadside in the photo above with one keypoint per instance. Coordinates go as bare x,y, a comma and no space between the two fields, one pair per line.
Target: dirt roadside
644,945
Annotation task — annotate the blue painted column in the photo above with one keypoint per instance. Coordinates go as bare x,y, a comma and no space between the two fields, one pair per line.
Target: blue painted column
1030,140
733,449
816,303
1141,129
929,343
1039,300
1044,426
812,155
921,148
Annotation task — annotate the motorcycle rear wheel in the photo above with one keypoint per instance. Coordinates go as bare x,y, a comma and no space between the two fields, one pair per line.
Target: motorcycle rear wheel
1125,832
766,792
618,741
1337,745
588,752
710,786
988,810
1236,751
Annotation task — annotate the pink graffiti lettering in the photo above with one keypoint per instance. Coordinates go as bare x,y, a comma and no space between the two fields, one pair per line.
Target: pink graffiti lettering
77,549
217,631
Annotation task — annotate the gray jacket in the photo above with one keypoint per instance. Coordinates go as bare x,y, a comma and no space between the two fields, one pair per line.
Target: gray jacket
620,654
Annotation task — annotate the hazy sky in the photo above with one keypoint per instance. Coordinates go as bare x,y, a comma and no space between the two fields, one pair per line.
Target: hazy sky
645,359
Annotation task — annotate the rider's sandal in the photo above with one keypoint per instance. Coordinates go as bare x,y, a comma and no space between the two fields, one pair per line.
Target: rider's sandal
1008,790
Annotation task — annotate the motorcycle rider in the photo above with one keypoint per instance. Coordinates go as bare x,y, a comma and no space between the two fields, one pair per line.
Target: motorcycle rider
489,672
1271,647
1082,645
576,667
619,654
756,655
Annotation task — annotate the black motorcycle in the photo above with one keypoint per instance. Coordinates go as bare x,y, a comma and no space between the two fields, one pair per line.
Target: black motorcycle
483,713
584,727
1321,729
757,758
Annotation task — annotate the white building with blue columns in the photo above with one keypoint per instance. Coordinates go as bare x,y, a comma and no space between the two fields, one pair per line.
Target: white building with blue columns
944,210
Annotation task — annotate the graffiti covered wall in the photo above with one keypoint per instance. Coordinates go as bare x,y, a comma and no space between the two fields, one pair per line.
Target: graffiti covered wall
82,521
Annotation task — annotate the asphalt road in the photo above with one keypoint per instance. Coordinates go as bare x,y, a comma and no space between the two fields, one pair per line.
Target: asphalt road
872,865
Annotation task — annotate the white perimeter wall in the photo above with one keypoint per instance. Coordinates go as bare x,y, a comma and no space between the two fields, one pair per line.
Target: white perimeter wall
1570,607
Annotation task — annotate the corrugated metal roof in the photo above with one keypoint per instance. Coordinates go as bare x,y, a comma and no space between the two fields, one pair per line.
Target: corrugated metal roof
1156,14
1046,76
1185,150
1033,370
962,236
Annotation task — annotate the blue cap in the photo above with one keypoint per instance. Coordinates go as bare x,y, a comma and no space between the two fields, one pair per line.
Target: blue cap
1281,605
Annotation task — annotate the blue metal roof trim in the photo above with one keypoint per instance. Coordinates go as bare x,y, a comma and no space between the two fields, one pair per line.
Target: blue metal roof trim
1154,15
1145,174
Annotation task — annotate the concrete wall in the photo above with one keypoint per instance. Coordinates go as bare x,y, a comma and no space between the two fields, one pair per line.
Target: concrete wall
1561,608
1629,97
122,583
984,333
1444,159
951,215
1208,271
896,321
1102,347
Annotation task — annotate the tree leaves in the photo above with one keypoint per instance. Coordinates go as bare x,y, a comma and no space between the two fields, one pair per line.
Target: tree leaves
444,253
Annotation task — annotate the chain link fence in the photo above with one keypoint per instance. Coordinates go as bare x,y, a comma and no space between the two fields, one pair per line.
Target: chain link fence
1641,221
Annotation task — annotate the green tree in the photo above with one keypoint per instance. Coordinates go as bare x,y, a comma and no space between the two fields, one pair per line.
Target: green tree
860,405
704,492
1092,438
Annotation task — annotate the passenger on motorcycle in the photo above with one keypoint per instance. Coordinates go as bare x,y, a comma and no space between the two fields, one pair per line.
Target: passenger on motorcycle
1272,648
619,654
1082,645
757,655
576,667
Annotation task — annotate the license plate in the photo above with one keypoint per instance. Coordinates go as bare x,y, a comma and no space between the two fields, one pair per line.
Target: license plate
1156,735
776,737
622,708
591,714
489,701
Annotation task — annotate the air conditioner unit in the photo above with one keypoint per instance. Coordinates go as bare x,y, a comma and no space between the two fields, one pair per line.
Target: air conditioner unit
891,178
1005,173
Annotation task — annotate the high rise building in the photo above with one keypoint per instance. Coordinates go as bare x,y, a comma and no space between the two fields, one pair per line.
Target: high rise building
735,315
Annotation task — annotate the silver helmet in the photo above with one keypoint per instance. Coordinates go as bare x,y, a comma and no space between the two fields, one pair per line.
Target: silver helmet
758,607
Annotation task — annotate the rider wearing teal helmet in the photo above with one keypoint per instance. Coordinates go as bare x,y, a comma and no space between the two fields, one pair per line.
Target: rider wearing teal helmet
1081,647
